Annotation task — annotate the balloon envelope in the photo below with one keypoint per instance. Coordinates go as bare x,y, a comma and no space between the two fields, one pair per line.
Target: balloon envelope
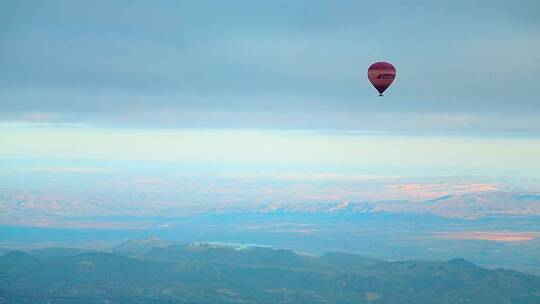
381,75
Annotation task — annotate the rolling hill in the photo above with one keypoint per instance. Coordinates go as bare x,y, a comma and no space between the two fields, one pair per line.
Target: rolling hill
204,273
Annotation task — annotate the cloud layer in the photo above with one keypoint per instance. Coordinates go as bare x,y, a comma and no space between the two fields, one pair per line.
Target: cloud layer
462,66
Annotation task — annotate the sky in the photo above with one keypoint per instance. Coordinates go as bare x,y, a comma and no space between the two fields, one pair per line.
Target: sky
273,82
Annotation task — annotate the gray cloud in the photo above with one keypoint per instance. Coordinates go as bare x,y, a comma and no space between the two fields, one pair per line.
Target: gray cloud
271,64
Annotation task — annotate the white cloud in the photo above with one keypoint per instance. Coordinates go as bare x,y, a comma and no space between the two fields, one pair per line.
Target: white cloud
390,153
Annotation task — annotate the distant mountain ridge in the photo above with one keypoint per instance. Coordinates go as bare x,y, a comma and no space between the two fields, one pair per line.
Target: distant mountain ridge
468,206
222,274
140,245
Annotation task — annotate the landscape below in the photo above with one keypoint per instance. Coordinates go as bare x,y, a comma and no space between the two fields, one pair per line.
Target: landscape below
154,271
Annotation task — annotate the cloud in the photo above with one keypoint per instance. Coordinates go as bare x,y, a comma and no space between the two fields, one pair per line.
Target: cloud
271,65
329,151
68,170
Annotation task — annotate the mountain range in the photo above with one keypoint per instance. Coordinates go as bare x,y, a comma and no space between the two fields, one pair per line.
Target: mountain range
467,206
44,207
217,273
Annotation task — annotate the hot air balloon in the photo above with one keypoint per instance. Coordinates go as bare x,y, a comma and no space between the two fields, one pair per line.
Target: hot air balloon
381,75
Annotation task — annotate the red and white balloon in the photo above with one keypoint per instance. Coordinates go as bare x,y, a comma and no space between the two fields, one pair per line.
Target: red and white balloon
381,75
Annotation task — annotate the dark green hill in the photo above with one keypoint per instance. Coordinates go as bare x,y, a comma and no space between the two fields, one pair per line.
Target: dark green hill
58,251
348,262
258,256
210,274
140,246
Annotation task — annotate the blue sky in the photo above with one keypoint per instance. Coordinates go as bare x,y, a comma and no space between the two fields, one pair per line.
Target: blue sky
466,69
